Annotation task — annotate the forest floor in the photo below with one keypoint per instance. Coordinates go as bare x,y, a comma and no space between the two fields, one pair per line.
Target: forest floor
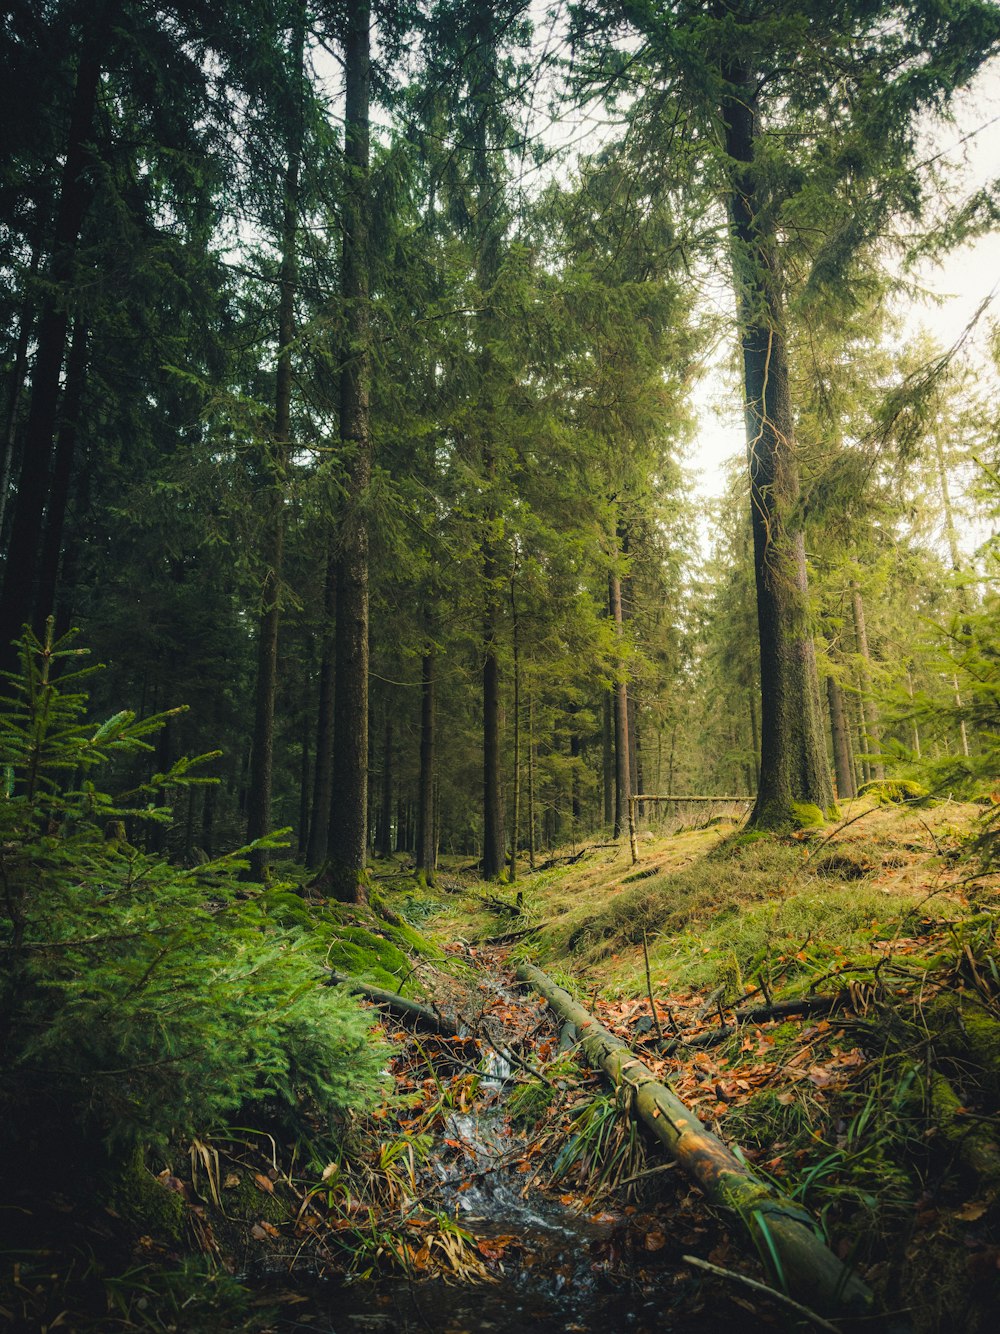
830,1003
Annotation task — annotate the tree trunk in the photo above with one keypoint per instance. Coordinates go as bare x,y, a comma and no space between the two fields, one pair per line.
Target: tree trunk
385,809
62,474
18,373
516,787
275,468
782,1232
493,856
623,787
608,761
17,598
303,839
754,738
319,821
869,712
841,741
348,843
913,725
208,819
426,856
793,758
531,782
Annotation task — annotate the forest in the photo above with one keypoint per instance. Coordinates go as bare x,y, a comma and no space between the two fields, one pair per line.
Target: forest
469,855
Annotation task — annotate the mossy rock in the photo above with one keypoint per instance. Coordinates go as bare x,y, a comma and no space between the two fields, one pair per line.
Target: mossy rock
145,1203
895,792
805,815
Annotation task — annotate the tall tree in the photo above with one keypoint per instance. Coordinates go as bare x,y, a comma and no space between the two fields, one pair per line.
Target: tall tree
348,840
276,452
803,116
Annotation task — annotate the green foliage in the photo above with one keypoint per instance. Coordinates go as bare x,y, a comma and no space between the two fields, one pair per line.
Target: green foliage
141,1000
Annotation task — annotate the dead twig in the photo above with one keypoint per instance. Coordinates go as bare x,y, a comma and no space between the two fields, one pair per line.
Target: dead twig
788,1302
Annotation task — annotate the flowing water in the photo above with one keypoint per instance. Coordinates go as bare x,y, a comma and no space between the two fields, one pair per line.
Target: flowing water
562,1270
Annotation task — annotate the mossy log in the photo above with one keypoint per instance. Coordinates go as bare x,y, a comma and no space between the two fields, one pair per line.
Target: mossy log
784,1234
401,1006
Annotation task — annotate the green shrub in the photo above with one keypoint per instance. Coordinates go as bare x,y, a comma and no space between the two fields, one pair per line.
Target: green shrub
142,1001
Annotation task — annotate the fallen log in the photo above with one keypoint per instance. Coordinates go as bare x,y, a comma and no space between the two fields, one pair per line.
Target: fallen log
756,1015
783,1233
401,1006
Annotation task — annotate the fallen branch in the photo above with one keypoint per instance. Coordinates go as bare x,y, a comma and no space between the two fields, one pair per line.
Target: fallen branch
783,1233
401,1006
801,1310
759,1014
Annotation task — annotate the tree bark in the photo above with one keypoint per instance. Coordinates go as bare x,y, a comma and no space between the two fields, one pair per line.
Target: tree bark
15,393
869,711
319,821
303,838
623,786
516,786
426,855
754,738
385,809
841,740
276,457
531,782
17,598
348,841
783,1233
62,475
608,761
793,758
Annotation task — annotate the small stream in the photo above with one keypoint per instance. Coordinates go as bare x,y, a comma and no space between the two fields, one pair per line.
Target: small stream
562,1270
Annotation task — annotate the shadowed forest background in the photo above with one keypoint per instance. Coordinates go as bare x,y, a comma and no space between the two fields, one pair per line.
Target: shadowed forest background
349,365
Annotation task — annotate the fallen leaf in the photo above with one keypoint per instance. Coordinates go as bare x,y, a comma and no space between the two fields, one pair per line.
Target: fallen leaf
264,1183
972,1211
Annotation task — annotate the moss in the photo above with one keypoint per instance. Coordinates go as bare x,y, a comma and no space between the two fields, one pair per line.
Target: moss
286,908
969,1032
352,949
245,1202
806,815
894,791
145,1203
